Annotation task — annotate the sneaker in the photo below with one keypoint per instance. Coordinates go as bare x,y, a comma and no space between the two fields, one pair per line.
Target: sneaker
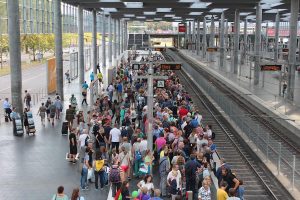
97,189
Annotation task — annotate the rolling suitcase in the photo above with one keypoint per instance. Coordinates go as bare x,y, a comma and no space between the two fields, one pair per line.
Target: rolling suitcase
64,128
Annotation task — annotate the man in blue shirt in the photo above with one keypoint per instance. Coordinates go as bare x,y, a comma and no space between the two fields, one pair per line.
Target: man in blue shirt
92,76
85,85
119,90
7,109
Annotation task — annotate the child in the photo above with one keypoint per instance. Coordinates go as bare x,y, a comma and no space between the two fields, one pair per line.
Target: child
125,191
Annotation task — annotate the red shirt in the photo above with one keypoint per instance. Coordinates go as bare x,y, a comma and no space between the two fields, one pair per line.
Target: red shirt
183,112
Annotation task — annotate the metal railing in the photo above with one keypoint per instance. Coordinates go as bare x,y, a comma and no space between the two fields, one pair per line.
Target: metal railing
279,154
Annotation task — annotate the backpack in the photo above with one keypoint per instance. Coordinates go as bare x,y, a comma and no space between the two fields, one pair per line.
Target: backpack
28,97
99,165
86,141
95,129
138,155
194,123
114,175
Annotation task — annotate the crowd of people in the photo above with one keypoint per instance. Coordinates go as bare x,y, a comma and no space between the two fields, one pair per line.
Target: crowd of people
110,141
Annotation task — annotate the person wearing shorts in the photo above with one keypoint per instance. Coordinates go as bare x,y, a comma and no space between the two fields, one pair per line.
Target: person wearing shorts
124,158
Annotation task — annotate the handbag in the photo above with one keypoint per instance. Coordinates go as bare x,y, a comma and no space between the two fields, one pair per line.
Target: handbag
90,173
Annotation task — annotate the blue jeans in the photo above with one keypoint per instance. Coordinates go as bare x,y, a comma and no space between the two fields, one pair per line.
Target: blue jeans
101,175
83,179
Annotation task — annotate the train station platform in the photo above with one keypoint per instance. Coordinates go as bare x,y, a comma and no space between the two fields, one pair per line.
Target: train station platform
34,166
267,96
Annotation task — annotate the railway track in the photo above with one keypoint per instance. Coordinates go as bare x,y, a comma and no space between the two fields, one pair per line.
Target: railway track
272,138
259,182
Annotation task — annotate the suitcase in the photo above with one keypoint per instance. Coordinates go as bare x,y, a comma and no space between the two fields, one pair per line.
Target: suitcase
64,128
6,118
18,127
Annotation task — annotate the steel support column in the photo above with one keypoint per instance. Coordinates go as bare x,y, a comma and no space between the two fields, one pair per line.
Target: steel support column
110,40
115,38
194,37
119,36
80,44
122,36
243,58
257,43
222,50
277,19
94,42
15,55
103,41
236,41
198,38
212,38
58,49
189,36
125,35
292,48
204,42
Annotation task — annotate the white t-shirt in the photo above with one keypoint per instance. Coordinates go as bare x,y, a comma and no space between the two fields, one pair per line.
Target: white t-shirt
149,186
178,177
143,145
200,143
115,135
82,138
124,159
110,88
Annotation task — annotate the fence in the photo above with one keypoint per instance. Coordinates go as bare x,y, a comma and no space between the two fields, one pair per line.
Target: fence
279,154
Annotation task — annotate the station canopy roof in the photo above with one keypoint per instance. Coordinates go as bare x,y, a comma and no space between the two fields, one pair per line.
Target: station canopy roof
185,10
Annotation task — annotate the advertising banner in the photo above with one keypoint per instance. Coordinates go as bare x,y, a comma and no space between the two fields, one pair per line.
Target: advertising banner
51,75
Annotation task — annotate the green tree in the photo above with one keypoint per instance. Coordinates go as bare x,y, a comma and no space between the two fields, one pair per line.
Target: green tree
3,47
31,42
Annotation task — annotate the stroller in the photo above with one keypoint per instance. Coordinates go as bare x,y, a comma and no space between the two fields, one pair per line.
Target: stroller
18,126
31,126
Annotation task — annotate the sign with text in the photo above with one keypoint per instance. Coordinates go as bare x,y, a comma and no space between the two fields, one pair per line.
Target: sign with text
135,66
285,50
159,49
160,84
212,49
181,28
170,66
270,67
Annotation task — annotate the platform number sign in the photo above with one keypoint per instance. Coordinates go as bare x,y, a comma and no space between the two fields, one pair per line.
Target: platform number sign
135,66
160,83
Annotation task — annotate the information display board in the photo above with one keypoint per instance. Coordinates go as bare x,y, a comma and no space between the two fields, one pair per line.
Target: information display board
170,66
181,28
270,67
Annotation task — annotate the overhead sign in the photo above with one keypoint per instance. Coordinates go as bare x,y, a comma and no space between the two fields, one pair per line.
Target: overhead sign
181,28
159,49
160,84
270,67
135,66
212,49
170,66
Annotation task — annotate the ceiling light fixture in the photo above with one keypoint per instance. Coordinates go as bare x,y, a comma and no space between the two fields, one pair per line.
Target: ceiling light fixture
133,4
